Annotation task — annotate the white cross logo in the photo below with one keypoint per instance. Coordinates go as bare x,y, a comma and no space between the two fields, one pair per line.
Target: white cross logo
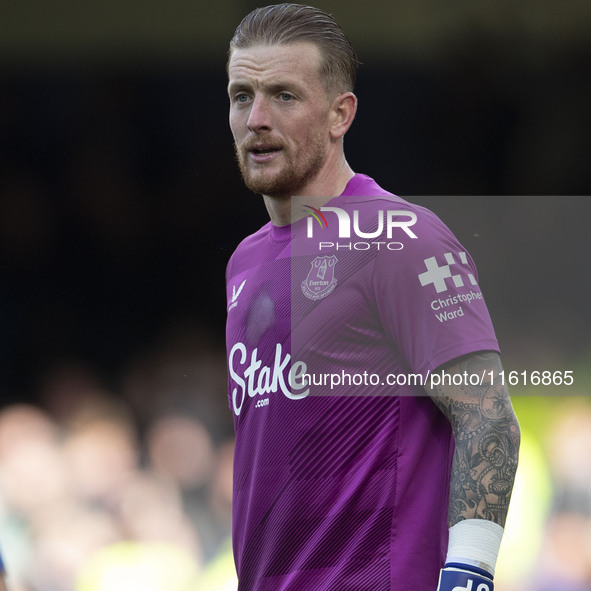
437,275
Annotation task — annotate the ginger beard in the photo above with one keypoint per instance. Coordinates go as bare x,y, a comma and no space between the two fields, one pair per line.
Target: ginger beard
296,170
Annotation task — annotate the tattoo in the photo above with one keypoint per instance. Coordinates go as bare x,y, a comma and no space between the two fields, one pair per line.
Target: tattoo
487,438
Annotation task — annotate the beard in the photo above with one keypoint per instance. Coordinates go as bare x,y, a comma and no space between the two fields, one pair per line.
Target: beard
293,175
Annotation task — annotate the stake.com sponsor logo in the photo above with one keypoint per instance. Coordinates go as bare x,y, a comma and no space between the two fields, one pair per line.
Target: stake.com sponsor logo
253,379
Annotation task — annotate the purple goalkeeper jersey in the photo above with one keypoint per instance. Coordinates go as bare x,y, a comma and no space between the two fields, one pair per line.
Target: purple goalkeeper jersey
342,462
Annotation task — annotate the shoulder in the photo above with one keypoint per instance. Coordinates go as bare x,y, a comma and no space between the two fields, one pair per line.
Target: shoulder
417,227
363,191
417,244
248,249
253,240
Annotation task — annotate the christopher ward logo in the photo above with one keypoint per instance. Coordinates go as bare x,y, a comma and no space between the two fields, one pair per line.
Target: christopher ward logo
449,308
437,275
385,222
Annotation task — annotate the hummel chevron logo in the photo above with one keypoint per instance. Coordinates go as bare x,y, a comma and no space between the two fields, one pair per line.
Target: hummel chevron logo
235,294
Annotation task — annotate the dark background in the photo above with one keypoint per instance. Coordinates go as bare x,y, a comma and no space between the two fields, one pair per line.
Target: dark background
120,201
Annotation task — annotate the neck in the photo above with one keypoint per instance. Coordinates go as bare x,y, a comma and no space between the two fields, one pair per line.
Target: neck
322,189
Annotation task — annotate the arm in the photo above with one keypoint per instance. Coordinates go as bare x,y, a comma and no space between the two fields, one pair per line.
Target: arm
487,439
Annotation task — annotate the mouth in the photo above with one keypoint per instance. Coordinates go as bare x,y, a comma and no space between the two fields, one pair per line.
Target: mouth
263,152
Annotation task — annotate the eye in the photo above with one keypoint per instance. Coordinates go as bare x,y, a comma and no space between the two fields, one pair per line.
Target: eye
285,96
241,97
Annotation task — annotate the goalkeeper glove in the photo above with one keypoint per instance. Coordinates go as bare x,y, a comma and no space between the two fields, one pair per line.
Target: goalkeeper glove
463,577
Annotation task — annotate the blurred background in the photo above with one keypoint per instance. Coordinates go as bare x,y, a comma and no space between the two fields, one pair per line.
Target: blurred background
120,203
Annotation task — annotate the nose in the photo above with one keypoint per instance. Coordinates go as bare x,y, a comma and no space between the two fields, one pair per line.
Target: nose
259,118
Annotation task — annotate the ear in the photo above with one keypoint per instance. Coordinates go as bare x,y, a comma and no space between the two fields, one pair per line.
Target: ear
343,112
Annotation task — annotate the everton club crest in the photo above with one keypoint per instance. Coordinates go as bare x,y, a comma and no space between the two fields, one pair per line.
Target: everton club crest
320,280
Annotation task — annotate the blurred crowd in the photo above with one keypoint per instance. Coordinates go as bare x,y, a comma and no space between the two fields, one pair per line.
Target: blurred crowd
105,491
547,544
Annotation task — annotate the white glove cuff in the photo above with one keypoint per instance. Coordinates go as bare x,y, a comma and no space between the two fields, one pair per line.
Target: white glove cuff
475,542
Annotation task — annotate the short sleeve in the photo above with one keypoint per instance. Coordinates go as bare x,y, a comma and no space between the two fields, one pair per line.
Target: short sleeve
428,297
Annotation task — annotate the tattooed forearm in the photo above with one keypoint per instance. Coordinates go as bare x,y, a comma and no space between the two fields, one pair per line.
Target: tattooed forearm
487,440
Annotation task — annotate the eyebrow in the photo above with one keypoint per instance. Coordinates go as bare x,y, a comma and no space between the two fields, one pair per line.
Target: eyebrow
236,86
272,87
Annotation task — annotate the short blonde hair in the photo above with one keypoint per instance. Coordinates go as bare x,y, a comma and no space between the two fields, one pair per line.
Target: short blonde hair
282,24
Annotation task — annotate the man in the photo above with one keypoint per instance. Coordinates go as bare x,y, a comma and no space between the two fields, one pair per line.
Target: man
355,331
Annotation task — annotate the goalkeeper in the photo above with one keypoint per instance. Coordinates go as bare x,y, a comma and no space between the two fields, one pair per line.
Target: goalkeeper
369,487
